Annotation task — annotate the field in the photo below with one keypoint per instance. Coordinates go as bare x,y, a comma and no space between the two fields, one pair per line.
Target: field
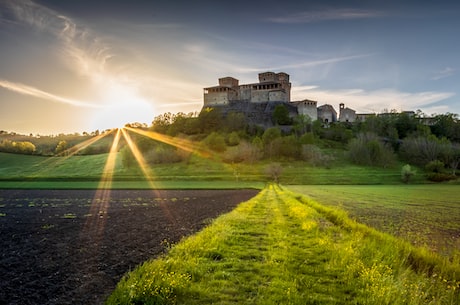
72,246
284,248
20,171
425,215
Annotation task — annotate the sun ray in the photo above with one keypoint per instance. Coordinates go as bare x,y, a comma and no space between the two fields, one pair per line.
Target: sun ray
82,145
176,142
145,170
97,218
63,156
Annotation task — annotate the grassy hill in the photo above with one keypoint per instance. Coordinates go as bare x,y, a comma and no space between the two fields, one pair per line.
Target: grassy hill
285,248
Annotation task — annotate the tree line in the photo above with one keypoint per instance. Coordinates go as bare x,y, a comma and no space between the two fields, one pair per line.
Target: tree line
381,140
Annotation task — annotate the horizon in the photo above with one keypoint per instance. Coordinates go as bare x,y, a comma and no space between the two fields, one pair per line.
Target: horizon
66,68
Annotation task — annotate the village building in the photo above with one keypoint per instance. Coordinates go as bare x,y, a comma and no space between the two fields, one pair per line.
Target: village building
346,114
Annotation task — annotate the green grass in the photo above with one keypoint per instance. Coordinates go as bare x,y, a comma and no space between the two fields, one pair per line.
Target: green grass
85,171
285,248
425,215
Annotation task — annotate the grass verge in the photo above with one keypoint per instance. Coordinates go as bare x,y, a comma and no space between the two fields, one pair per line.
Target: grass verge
284,248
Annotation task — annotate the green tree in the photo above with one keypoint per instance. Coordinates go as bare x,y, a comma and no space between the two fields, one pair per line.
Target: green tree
302,124
367,149
268,138
447,125
233,139
407,173
281,115
210,120
215,142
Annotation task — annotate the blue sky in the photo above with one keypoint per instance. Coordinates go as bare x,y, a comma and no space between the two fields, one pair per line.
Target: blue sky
73,66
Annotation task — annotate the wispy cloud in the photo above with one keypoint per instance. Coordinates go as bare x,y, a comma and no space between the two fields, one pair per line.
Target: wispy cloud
31,91
373,101
327,15
87,52
446,72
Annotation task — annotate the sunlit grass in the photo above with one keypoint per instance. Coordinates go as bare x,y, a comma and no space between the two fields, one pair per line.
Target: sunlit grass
284,248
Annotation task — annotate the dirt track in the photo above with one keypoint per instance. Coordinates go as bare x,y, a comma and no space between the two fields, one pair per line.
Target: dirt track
73,246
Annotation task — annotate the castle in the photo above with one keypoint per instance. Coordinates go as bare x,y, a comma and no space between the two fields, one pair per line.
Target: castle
258,100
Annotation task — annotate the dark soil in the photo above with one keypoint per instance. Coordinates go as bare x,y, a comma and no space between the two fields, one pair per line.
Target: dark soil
73,246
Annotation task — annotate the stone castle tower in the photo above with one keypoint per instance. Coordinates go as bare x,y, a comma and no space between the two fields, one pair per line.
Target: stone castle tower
272,87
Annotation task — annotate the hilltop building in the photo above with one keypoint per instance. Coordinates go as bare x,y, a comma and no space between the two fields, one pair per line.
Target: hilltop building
346,114
258,100
272,87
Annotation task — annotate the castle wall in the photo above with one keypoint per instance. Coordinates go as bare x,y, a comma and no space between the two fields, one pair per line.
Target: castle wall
308,108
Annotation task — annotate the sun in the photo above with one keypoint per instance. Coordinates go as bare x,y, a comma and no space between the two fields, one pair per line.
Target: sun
120,105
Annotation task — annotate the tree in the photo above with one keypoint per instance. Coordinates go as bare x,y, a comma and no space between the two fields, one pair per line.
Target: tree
269,137
367,149
215,142
407,173
274,171
210,119
421,150
61,147
447,125
302,124
233,139
281,115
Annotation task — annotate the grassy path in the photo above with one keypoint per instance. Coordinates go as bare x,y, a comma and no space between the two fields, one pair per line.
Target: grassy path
282,248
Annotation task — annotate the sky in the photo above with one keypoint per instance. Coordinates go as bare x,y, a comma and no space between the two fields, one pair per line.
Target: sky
75,66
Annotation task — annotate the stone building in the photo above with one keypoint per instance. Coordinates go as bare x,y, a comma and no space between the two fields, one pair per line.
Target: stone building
308,108
272,87
346,114
327,114
258,100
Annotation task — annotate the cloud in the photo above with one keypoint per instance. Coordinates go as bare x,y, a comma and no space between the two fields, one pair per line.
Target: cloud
375,101
446,72
327,15
31,91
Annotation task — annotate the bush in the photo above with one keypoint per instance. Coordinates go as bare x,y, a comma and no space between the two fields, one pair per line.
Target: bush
22,147
233,139
435,166
367,149
215,142
315,156
244,152
407,173
440,177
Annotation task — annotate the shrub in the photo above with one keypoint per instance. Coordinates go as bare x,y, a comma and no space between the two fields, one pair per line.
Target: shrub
233,139
215,142
440,177
315,156
367,149
435,166
407,173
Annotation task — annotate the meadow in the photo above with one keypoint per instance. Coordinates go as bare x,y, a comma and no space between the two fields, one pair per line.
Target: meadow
25,171
281,247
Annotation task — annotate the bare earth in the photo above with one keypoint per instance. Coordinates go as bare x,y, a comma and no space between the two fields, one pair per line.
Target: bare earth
73,246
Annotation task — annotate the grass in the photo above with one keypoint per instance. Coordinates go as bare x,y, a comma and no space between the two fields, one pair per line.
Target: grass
21,171
425,215
285,248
